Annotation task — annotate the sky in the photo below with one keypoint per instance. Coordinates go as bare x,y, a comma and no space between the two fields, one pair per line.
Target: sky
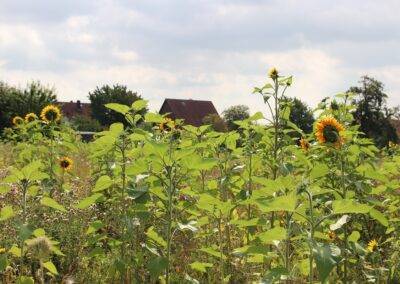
200,49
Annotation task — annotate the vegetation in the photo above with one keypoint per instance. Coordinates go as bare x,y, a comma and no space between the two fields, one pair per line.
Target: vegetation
181,204
372,113
111,94
19,102
235,113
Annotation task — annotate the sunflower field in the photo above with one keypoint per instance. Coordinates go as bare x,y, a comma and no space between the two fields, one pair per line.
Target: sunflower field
163,202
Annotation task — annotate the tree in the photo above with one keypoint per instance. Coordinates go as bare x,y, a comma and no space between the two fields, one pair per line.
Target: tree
216,122
84,123
300,114
234,113
115,94
16,101
372,113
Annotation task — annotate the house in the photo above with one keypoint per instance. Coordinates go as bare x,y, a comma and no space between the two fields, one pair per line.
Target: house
71,109
191,111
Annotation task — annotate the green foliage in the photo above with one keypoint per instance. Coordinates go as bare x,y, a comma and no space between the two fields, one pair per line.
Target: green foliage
16,101
372,113
112,94
235,113
174,203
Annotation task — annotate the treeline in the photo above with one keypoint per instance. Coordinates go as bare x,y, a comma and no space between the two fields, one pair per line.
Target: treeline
375,118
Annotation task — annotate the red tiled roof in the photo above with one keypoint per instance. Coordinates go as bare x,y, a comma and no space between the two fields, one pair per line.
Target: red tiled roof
191,111
71,109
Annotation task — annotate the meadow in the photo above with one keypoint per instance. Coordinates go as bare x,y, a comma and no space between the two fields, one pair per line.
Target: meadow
157,201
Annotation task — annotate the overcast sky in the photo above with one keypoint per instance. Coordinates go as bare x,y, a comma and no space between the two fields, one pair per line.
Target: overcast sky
200,49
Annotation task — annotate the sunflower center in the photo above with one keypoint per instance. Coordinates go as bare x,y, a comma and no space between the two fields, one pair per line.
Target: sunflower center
331,134
64,164
51,115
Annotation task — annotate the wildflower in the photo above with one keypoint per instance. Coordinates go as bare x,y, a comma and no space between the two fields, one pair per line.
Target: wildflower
17,120
2,250
167,124
304,144
332,235
372,245
66,163
273,73
329,130
30,117
40,247
50,113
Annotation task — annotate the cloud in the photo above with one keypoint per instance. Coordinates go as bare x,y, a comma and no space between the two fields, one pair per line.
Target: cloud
217,50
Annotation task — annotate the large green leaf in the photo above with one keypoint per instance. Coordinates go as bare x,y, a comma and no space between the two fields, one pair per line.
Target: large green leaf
280,203
326,258
6,213
201,266
118,107
378,216
274,234
102,183
50,267
318,171
50,202
139,105
157,266
343,206
86,202
153,235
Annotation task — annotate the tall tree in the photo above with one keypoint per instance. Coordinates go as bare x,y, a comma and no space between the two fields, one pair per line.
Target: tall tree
111,94
234,113
372,113
16,101
300,114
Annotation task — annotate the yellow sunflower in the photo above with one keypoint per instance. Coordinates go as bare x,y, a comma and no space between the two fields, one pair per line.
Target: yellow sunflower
273,73
372,245
332,236
304,144
17,120
167,124
66,163
329,130
30,117
50,113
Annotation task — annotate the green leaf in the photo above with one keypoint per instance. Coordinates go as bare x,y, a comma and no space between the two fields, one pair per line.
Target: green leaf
200,266
280,203
50,202
118,108
16,251
354,236
25,280
3,262
326,258
86,202
213,252
318,171
349,206
155,237
39,232
153,117
274,234
94,227
6,213
378,216
157,266
102,183
139,105
50,267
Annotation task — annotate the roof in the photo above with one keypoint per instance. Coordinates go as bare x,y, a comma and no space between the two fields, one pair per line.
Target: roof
191,111
71,109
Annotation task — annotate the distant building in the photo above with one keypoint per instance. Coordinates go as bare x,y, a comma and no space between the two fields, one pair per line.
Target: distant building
71,109
191,111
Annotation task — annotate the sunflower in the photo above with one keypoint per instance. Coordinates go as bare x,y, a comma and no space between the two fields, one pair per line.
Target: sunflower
329,130
50,113
372,245
17,120
30,117
167,124
304,144
273,73
332,235
66,163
